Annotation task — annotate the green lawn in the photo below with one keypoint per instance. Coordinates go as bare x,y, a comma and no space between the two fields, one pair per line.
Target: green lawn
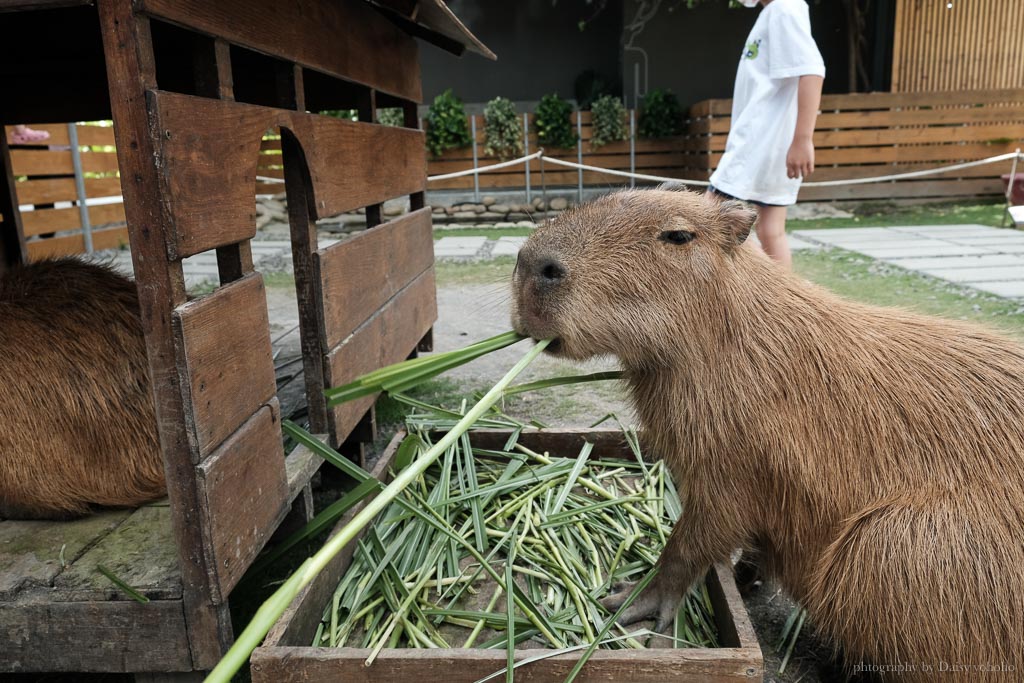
882,214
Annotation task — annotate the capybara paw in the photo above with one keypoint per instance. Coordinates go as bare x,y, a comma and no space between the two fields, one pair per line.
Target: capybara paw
653,603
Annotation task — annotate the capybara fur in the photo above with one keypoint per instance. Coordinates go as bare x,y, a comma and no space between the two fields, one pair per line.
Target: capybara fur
77,425
874,457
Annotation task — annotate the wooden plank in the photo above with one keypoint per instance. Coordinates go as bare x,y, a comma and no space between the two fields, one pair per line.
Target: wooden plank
353,283
684,665
566,443
69,245
906,190
43,221
50,190
131,74
223,154
300,466
121,636
31,162
227,366
140,551
95,136
244,491
388,337
378,54
30,551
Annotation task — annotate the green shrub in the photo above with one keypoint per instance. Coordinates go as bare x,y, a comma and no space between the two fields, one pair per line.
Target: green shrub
347,114
391,116
503,131
554,129
607,120
660,115
446,124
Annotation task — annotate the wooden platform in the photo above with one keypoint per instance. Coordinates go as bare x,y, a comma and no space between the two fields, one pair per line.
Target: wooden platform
52,590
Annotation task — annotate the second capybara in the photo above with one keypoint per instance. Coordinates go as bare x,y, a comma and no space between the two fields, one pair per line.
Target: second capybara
874,457
77,424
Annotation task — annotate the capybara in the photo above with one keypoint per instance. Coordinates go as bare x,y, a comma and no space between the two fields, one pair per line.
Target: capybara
77,425
875,457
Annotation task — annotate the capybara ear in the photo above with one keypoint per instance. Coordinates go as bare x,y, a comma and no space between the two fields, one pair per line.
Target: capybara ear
737,218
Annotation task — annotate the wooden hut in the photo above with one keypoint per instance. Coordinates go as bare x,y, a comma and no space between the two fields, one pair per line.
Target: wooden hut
192,86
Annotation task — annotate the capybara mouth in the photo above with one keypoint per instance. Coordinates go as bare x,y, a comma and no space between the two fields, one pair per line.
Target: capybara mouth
554,347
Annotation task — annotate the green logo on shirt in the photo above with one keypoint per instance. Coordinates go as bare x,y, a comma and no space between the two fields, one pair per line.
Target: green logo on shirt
752,49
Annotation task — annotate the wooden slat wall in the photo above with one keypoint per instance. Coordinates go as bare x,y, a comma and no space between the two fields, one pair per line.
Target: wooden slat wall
958,45
875,134
45,176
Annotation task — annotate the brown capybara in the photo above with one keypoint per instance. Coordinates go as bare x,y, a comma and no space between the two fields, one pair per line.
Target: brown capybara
874,457
77,425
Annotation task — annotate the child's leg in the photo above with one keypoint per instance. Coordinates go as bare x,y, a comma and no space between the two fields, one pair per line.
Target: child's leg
771,232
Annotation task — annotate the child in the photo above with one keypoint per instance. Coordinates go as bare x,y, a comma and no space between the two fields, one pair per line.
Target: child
775,104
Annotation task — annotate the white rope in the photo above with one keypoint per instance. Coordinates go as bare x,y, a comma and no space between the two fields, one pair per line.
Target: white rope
539,154
914,174
486,169
703,183
627,174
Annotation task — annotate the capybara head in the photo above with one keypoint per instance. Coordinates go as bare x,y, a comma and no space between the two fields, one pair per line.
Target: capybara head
78,427
592,274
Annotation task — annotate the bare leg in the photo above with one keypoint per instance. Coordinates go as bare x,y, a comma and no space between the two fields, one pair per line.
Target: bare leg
771,232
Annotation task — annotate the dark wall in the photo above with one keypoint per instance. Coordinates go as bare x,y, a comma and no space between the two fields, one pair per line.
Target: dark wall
539,45
694,52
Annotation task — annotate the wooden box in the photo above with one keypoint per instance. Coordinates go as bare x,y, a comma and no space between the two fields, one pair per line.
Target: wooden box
286,654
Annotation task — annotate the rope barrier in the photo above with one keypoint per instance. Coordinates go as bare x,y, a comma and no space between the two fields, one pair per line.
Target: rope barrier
485,169
703,183
539,154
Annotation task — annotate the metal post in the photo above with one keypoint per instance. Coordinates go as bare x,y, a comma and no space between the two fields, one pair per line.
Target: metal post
83,209
579,155
476,176
526,152
632,145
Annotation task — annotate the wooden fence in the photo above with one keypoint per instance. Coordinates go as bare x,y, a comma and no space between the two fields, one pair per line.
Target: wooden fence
958,45
46,189
875,134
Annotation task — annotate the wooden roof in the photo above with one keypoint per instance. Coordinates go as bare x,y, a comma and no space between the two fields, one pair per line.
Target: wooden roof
434,22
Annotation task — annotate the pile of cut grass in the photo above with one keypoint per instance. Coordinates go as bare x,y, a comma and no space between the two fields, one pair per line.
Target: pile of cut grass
436,568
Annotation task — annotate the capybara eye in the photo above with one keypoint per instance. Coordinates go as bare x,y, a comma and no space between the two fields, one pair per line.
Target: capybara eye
676,236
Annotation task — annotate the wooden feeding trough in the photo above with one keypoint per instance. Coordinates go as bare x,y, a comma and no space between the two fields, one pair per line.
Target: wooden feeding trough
286,654
192,87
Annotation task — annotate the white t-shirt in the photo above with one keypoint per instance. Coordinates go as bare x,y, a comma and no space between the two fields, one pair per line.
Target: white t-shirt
779,50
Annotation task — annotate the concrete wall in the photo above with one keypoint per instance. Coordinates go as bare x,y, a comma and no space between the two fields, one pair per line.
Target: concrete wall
539,46
694,52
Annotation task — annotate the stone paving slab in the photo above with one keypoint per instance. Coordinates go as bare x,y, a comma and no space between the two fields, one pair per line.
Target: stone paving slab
974,275
508,246
448,247
1011,290
966,262
925,248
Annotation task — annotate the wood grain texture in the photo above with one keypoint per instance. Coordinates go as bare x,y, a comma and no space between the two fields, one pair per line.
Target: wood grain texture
30,551
68,245
140,552
352,282
388,337
45,221
284,656
227,366
223,153
244,491
347,39
50,190
94,636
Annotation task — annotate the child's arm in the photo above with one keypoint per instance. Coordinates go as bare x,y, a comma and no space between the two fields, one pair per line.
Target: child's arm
800,159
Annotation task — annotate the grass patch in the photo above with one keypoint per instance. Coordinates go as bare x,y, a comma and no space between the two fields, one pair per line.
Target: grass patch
489,233
496,271
865,279
885,214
